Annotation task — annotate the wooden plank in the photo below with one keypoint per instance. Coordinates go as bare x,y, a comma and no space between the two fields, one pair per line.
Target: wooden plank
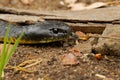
88,28
109,14
78,20
20,18
27,19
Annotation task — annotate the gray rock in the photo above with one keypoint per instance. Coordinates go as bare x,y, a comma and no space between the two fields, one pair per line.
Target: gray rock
111,44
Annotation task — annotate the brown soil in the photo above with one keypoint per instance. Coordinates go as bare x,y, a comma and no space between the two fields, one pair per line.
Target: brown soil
50,68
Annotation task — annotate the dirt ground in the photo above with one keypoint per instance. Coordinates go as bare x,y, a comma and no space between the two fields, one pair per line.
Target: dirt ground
50,67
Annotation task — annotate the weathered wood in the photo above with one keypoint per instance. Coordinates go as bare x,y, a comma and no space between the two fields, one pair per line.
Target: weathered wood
78,20
25,12
88,28
20,18
109,14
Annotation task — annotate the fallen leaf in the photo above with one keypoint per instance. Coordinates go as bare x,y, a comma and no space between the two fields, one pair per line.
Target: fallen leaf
77,6
69,59
100,76
82,6
81,35
96,5
70,1
75,51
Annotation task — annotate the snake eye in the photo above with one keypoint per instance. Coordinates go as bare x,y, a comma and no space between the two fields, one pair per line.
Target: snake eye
54,30
57,30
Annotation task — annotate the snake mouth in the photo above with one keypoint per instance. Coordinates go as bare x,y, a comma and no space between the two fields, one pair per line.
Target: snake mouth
28,39
43,37
43,40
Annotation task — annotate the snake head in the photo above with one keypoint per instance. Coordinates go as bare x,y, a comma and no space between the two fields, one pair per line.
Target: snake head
48,31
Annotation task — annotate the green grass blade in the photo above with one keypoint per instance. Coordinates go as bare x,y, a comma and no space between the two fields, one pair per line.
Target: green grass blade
3,54
13,48
7,49
6,54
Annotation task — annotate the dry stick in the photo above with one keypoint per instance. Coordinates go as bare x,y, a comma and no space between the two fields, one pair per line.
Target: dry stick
38,61
29,61
99,36
19,67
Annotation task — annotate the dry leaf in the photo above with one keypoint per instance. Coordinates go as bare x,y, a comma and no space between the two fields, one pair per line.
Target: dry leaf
77,6
96,5
69,59
82,6
75,51
70,1
100,76
81,35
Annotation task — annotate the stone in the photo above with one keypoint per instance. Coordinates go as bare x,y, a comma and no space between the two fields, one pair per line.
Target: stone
109,42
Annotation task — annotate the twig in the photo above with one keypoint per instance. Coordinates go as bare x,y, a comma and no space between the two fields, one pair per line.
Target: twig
26,64
99,36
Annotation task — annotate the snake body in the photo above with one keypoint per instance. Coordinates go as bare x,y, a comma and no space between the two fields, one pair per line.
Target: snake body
41,32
